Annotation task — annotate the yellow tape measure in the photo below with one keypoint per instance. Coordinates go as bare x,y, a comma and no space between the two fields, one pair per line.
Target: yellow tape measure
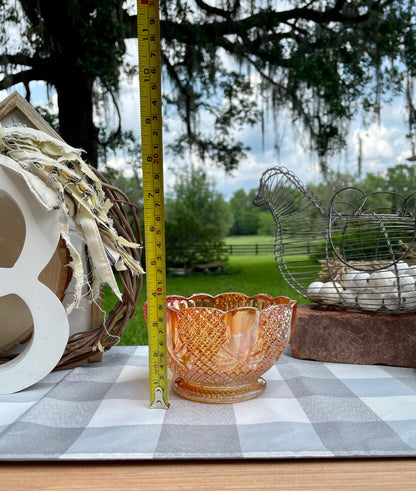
148,34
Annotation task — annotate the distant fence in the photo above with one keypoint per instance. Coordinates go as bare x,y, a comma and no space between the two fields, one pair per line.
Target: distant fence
249,249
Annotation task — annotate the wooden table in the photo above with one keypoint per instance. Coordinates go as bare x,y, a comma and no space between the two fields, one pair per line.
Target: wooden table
352,474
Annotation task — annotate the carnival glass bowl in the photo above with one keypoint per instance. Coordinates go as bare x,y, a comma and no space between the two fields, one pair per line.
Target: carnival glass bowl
218,347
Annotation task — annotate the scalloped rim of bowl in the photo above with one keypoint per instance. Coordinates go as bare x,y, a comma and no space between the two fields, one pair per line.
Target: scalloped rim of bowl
273,301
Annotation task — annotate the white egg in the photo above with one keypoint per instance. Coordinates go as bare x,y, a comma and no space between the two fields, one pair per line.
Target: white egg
349,279
330,292
392,301
405,283
400,267
409,301
349,298
370,300
382,281
312,291
361,280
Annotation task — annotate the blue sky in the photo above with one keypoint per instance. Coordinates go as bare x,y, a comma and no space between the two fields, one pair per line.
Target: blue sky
383,145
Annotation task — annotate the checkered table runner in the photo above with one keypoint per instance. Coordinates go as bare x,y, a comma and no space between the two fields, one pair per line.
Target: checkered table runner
309,409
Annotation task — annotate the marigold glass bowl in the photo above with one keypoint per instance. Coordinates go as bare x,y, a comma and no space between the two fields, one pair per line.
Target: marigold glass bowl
219,347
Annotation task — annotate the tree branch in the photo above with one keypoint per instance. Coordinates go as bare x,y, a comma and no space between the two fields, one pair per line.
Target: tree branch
209,9
268,19
185,93
30,8
265,18
43,73
18,59
130,25
12,79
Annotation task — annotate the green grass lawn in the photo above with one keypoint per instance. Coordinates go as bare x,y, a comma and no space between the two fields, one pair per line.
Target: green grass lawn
246,274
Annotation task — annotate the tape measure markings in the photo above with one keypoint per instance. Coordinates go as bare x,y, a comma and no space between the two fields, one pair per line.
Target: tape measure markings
148,33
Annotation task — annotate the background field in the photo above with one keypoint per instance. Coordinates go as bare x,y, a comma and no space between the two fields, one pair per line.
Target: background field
246,274
250,239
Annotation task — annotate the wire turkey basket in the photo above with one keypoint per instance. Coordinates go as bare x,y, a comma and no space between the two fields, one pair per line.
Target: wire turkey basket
358,253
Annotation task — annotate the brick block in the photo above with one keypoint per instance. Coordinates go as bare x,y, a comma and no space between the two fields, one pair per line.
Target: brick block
331,335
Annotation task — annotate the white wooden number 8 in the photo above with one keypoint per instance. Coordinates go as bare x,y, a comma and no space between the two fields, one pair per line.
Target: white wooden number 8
50,322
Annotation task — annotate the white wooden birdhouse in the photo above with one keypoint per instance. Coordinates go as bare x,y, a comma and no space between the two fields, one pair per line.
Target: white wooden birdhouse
36,281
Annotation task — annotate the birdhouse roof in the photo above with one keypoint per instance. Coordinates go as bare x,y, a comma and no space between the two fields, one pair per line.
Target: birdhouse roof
15,110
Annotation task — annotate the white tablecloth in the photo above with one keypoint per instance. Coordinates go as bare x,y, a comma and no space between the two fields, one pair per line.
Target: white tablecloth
309,409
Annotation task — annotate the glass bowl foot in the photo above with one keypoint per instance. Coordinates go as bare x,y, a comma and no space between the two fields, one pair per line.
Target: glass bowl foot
219,394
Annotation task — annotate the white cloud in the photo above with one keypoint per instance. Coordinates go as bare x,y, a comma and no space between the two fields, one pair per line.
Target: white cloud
120,163
375,141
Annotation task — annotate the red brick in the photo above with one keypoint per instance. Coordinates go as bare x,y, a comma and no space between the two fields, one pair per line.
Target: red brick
331,335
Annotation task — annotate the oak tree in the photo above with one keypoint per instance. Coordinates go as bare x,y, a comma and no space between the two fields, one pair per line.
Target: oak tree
226,64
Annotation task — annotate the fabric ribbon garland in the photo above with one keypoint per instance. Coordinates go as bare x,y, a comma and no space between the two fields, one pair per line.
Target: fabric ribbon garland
60,180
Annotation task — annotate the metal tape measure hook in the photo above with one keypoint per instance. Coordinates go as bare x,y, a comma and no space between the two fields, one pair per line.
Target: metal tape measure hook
159,402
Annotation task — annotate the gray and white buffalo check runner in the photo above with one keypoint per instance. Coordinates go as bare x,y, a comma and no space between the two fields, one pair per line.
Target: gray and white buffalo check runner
309,409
